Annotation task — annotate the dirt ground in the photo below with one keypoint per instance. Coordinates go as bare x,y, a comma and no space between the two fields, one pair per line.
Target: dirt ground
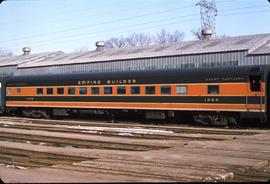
49,152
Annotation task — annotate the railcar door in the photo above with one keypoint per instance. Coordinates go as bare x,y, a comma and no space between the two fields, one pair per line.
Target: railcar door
256,90
267,95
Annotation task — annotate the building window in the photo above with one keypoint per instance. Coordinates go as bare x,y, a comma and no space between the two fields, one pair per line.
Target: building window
213,89
121,90
149,90
94,90
83,91
135,90
49,91
181,89
107,90
18,90
60,91
165,90
39,91
71,91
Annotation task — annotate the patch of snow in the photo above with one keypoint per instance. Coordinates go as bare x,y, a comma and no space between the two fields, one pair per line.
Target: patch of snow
20,167
90,131
125,134
7,122
123,130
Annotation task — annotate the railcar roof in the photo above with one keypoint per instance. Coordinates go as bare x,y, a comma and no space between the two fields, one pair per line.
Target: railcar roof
153,73
254,44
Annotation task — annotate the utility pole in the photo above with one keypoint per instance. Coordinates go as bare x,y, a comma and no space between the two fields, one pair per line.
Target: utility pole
208,13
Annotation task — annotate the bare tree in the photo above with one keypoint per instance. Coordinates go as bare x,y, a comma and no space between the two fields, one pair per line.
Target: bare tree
5,52
166,37
116,42
139,39
197,33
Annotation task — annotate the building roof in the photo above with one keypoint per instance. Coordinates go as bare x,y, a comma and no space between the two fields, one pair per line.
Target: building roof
253,44
264,49
31,58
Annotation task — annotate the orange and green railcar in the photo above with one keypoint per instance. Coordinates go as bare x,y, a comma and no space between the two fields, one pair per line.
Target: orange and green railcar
213,95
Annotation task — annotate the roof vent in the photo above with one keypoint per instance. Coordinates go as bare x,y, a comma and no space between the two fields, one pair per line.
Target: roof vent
207,34
26,50
100,45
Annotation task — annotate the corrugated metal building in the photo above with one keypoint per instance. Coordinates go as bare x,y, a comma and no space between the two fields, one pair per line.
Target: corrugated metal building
9,65
229,51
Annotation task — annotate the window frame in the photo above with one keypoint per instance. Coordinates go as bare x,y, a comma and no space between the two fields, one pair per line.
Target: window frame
98,91
255,83
49,89
18,90
105,91
60,88
41,91
213,86
121,88
8,91
71,88
168,87
138,87
154,91
82,88
181,92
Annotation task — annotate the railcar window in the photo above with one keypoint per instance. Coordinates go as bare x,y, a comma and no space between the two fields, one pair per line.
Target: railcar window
60,91
255,83
71,91
150,90
83,91
18,90
9,92
94,90
39,91
107,90
181,89
165,90
213,89
135,90
121,90
49,91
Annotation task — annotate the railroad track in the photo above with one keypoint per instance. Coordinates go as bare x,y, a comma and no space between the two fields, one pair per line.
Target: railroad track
96,127
135,151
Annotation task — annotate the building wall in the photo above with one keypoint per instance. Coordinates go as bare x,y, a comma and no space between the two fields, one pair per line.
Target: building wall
7,70
187,61
237,58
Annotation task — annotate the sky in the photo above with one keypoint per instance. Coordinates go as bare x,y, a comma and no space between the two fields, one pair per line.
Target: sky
71,25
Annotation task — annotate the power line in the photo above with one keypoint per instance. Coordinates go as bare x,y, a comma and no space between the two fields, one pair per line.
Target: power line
127,31
89,35
75,11
98,24
119,28
109,22
127,18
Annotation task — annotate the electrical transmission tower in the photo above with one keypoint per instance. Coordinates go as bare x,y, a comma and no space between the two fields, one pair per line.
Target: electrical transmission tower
208,14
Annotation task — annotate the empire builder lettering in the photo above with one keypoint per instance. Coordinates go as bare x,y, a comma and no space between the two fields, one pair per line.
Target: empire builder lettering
108,82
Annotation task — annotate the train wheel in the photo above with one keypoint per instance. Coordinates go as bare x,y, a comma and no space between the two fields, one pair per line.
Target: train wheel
216,119
26,113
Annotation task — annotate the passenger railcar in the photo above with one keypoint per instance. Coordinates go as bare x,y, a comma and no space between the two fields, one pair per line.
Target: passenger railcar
214,96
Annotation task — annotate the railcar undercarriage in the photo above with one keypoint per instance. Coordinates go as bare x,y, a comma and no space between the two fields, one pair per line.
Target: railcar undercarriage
216,119
204,118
